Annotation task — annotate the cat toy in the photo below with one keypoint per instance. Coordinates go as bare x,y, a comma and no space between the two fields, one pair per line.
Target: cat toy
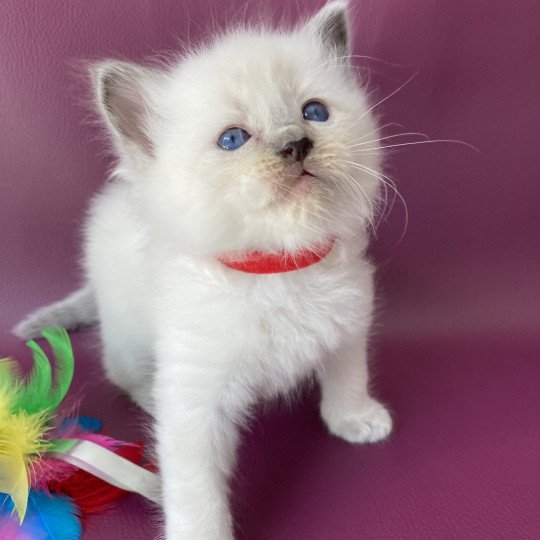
56,470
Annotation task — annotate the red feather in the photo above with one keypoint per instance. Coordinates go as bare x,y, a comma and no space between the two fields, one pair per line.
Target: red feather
49,471
91,494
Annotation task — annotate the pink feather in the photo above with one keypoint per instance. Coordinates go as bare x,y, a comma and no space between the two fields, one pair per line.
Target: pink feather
48,469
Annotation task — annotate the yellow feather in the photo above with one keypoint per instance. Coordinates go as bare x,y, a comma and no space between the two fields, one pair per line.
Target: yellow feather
8,386
14,481
21,442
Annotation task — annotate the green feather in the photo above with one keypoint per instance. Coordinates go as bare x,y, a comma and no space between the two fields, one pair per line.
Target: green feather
34,395
39,393
59,341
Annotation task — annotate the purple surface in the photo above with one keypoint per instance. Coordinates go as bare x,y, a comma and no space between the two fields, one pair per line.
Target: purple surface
457,347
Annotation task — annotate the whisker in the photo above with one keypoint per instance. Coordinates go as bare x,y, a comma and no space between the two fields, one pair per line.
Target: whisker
389,95
388,181
378,129
368,58
383,199
408,134
455,141
382,101
364,196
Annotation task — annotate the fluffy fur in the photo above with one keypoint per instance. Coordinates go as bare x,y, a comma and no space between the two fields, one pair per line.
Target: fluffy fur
211,341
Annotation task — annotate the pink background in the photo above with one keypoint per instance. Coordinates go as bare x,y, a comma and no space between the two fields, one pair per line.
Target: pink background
457,343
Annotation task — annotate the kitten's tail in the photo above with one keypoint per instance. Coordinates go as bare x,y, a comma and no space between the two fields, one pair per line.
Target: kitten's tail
77,309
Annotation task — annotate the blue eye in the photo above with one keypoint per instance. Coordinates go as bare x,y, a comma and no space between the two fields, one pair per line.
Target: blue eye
233,138
315,112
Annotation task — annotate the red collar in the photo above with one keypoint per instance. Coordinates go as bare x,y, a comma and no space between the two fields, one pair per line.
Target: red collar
258,262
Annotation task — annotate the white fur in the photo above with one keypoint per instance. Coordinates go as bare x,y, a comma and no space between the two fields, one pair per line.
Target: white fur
214,340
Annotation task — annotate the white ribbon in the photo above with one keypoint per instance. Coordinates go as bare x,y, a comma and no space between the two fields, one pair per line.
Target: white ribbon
112,468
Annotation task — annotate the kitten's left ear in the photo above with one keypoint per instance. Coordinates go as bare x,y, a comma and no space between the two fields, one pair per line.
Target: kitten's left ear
331,24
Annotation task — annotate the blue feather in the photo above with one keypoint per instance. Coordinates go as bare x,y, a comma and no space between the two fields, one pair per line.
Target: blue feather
86,423
49,517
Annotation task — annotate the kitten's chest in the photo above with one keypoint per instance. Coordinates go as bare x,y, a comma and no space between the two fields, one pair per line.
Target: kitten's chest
315,308
272,330
295,311
294,324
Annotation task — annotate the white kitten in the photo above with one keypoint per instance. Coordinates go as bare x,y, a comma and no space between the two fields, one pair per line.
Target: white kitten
190,193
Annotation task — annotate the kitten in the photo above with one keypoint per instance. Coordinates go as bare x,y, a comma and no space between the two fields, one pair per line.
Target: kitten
224,261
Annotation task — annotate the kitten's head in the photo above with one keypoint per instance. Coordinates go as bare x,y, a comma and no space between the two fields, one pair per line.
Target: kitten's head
248,142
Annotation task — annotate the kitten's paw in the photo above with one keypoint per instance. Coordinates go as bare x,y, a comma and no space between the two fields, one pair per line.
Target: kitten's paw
370,424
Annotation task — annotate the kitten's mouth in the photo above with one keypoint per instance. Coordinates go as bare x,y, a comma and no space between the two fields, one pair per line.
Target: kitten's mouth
302,185
296,187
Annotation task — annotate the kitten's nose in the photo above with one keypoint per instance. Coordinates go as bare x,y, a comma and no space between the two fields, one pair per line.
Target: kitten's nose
297,150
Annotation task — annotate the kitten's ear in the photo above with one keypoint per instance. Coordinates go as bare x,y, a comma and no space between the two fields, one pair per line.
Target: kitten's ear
123,91
331,24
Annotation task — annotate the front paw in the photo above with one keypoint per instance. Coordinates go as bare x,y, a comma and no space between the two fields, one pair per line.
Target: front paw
369,423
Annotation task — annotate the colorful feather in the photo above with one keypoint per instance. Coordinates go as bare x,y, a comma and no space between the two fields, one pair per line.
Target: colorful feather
91,494
8,386
61,345
39,394
21,442
25,413
28,431
50,469
84,423
32,396
49,517
105,441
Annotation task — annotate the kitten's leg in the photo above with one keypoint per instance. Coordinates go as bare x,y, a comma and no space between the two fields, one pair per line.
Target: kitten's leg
197,417
346,406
